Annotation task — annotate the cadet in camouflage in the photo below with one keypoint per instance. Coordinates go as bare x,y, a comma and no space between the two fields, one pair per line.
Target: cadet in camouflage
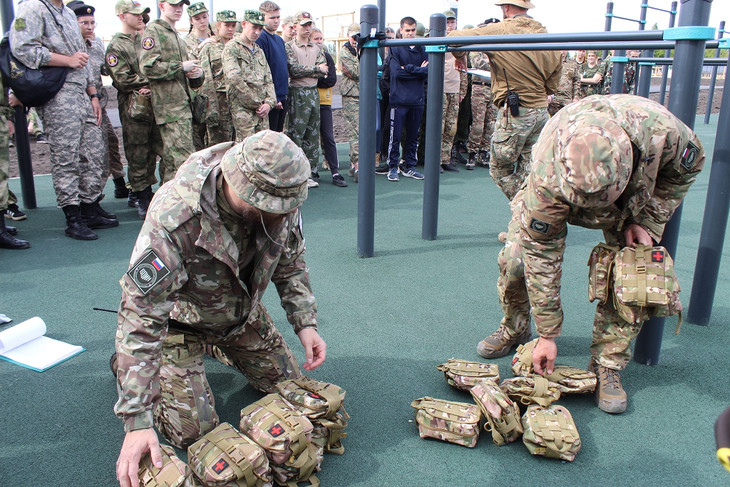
350,90
483,112
227,225
619,163
199,32
569,87
251,92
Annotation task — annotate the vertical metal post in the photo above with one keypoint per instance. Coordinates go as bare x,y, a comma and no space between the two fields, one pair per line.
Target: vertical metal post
714,221
7,13
607,28
713,77
368,100
619,67
434,129
644,68
381,26
683,97
665,69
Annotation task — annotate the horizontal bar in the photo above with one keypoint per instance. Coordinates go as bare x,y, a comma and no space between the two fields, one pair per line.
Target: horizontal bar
436,48
557,46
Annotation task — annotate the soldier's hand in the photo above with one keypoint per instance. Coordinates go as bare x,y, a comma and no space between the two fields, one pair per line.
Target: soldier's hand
96,106
636,234
315,349
145,91
544,355
190,65
324,68
460,63
196,72
136,444
279,106
78,60
13,101
263,110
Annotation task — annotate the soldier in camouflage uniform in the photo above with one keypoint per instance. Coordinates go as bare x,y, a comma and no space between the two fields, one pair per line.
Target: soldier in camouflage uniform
455,86
164,61
45,32
629,75
218,117
200,32
214,238
306,63
592,72
483,112
619,163
350,90
251,94
142,140
569,87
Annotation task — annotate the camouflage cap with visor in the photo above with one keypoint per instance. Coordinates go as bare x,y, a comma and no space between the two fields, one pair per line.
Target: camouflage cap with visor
130,7
268,171
226,16
303,18
254,16
176,2
196,8
594,160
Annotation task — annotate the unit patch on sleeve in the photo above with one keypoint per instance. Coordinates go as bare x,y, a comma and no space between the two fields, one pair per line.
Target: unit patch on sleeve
148,43
112,60
689,156
148,271
540,226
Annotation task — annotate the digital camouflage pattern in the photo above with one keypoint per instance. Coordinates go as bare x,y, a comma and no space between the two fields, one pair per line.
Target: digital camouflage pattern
465,374
142,140
455,422
216,268
173,473
568,88
572,380
551,432
218,121
350,91
250,85
531,390
226,457
669,156
502,415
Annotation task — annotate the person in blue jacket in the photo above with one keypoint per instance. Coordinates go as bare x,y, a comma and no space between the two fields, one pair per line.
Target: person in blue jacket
273,47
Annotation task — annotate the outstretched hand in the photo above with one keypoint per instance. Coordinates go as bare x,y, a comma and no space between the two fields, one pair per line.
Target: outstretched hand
315,349
136,444
544,355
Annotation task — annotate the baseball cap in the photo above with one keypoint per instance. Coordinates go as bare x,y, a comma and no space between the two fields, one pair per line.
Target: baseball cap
450,14
353,29
254,16
194,8
131,7
303,18
268,171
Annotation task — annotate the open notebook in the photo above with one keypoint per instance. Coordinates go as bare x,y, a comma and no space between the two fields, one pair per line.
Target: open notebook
25,344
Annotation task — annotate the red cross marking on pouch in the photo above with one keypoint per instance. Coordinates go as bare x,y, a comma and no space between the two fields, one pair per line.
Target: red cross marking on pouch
657,256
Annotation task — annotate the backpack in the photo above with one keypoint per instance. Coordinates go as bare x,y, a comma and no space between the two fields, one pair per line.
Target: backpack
455,422
33,87
464,374
550,432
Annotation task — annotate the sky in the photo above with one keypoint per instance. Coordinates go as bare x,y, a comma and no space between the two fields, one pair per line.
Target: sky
556,15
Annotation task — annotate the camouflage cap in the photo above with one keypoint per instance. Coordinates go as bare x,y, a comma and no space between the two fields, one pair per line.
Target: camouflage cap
176,2
254,16
226,16
420,30
594,160
196,8
131,7
517,3
353,29
303,18
268,171
288,20
450,14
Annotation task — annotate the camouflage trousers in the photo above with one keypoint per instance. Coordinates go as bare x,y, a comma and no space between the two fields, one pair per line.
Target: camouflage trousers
112,157
512,143
303,122
220,129
177,145
557,103
186,410
76,145
247,123
142,144
448,125
351,113
4,165
483,113
612,336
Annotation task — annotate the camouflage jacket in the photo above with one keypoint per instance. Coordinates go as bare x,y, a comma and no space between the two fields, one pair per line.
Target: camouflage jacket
661,178
588,89
192,43
532,74
122,62
303,61
97,67
350,68
161,58
34,36
569,86
248,76
215,85
196,276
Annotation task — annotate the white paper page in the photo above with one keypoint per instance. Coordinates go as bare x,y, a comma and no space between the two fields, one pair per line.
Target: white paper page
21,333
42,352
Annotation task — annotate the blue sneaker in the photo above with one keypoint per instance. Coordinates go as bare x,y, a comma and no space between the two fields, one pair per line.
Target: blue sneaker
409,172
393,174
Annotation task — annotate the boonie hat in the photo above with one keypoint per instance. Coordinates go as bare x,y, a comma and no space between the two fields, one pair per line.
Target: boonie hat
226,16
131,7
80,8
254,16
268,171
517,3
303,18
195,8
594,160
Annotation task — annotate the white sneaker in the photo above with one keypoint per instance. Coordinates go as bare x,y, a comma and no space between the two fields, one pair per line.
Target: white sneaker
311,183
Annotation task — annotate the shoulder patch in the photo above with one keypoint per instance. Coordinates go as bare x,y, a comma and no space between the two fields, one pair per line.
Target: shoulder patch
689,156
112,60
148,43
19,24
148,271
540,226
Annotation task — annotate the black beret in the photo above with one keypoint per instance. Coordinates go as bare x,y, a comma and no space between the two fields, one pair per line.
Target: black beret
80,8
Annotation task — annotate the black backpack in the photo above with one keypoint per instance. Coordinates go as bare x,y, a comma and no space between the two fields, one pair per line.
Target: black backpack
33,87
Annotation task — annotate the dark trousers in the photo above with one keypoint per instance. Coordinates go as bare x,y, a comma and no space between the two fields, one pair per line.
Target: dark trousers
277,117
384,124
400,118
327,138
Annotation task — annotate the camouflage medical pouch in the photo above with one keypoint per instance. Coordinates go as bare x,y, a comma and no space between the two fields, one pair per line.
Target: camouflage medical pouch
173,473
286,437
140,107
503,415
550,432
600,266
644,284
464,374
531,390
522,361
572,380
225,457
455,422
324,405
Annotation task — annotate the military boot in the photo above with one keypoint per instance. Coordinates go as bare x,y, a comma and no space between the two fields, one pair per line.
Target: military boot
456,156
610,395
93,218
75,226
7,239
143,201
120,188
499,343
472,162
483,158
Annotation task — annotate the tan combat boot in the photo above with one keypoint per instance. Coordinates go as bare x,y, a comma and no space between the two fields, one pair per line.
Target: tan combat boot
610,395
499,343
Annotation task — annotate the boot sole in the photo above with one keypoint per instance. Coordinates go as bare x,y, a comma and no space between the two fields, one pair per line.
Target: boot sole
80,237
